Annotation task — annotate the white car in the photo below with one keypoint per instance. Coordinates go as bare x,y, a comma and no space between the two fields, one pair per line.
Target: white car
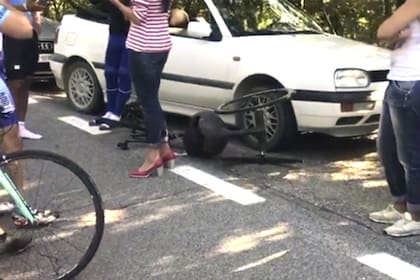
228,50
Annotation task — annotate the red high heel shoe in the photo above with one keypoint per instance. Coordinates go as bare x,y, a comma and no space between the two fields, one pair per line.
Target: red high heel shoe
169,160
155,170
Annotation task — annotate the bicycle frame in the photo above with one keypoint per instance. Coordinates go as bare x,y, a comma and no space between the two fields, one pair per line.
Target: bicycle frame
23,207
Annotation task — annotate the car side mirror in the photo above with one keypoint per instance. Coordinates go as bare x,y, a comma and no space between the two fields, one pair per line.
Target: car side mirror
197,29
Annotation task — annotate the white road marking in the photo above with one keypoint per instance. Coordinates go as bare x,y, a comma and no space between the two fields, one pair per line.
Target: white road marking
262,261
391,266
83,125
228,190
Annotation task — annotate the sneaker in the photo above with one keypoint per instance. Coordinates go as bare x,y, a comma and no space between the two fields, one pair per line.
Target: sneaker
404,227
6,207
387,216
27,134
43,218
10,245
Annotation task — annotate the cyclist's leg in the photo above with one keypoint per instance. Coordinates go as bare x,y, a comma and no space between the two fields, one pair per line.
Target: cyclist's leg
11,142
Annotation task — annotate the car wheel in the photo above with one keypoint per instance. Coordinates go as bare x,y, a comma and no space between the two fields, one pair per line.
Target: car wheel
82,87
281,127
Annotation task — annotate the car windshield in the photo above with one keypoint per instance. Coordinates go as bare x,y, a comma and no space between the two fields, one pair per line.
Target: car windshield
265,17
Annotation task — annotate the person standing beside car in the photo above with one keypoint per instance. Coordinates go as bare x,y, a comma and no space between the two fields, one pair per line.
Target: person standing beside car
399,128
21,59
117,76
149,44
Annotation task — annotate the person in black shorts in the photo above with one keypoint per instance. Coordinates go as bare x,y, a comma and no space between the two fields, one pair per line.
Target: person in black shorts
15,24
21,59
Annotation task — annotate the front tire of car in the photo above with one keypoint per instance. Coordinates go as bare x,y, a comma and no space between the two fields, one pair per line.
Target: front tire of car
281,126
83,89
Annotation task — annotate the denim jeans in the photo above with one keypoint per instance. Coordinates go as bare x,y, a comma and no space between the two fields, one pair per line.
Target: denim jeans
146,72
399,141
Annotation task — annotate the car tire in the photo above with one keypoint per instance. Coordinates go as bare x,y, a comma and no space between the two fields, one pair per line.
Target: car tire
83,89
281,132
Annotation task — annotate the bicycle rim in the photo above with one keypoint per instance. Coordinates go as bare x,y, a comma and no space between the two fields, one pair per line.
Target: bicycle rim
62,249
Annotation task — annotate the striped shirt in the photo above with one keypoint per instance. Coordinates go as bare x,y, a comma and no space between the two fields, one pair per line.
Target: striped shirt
152,33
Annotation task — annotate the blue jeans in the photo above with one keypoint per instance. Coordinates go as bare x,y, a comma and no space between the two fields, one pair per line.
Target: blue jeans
118,82
146,70
399,142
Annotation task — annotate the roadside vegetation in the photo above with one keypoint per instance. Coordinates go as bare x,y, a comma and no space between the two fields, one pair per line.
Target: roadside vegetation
354,19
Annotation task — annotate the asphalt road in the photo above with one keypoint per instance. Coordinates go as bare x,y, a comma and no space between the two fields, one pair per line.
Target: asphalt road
209,219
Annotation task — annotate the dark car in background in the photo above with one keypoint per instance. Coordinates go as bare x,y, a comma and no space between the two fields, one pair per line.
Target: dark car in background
46,49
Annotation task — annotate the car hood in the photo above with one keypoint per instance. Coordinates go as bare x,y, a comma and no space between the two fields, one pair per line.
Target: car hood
330,51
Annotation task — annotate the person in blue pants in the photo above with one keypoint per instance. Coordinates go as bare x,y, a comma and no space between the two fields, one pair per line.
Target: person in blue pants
118,82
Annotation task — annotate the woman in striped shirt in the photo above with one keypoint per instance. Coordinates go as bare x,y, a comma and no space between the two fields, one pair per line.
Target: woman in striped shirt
149,44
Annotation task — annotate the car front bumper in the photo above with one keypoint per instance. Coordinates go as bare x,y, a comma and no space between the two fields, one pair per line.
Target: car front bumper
323,111
56,70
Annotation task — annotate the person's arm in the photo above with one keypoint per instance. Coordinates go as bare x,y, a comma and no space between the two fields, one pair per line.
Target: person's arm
36,22
136,13
394,27
31,6
14,23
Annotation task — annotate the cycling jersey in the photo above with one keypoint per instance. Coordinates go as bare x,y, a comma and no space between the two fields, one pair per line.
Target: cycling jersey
6,100
4,13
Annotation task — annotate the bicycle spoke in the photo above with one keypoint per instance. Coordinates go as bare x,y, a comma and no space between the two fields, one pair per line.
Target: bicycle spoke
65,244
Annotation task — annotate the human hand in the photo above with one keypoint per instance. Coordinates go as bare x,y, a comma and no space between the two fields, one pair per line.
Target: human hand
401,37
36,5
404,34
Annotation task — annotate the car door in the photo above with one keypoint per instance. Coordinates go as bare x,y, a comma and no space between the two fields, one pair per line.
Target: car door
197,68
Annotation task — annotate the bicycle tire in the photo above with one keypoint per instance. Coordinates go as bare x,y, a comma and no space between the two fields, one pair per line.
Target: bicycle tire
221,109
90,185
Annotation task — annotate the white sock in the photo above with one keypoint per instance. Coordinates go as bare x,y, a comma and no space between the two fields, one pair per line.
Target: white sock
106,116
114,117
27,134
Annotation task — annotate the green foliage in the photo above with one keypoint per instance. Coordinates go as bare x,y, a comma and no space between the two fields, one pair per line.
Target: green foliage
355,19
58,8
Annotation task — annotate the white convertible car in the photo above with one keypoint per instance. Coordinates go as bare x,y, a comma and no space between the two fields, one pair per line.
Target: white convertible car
228,50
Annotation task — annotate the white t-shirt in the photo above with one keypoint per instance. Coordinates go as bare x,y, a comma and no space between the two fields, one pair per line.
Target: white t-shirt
405,60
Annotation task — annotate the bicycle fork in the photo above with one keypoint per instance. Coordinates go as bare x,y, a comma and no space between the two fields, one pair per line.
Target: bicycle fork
16,196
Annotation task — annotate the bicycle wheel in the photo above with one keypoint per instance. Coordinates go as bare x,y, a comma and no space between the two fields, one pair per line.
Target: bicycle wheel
64,247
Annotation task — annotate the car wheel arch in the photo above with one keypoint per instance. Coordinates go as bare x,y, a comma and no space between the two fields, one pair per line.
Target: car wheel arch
69,61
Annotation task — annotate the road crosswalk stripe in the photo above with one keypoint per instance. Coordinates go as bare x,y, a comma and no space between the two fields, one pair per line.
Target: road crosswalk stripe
219,186
83,125
391,266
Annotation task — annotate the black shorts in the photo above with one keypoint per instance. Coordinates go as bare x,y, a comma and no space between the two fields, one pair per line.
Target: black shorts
20,57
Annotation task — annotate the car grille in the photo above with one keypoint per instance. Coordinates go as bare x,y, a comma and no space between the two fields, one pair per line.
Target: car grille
46,47
378,75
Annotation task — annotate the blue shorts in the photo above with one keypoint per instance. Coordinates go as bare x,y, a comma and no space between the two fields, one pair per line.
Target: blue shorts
8,115
8,119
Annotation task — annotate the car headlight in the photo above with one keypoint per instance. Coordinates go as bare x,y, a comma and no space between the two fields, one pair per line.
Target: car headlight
351,78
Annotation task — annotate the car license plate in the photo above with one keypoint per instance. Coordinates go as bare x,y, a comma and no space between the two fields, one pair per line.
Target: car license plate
44,57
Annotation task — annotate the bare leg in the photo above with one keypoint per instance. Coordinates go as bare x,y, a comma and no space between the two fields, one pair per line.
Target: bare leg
152,155
164,149
20,92
10,143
